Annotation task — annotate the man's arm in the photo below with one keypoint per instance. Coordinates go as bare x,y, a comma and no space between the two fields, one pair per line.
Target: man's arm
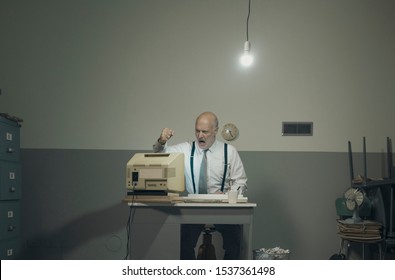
160,144
237,174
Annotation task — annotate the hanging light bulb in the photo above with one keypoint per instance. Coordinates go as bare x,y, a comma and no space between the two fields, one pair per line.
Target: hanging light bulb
246,59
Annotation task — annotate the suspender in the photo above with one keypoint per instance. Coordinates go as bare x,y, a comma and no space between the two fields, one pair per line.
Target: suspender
225,166
191,164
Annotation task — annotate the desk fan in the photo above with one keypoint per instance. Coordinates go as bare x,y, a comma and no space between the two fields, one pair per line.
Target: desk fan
354,199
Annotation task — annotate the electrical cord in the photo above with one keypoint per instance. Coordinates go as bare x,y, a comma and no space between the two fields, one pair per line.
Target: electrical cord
248,16
129,224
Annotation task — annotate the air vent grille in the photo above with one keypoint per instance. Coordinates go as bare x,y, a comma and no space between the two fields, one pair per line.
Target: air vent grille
297,128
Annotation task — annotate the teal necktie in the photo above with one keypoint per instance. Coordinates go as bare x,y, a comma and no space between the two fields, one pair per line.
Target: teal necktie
203,174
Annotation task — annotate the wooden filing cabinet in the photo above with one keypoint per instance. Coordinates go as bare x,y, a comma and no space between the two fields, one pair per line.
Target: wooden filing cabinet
10,189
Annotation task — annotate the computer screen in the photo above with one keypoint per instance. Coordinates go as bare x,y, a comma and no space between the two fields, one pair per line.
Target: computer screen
155,173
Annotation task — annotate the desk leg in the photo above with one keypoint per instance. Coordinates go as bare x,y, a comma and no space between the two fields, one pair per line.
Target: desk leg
246,246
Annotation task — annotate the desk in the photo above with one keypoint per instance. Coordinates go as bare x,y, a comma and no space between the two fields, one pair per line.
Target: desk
155,228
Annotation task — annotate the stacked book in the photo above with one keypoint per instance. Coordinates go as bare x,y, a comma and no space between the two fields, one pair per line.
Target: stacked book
364,231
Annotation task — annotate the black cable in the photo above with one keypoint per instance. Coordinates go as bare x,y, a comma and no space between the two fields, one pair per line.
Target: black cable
248,17
129,224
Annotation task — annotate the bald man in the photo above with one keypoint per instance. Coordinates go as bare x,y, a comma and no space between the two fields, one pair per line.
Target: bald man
219,178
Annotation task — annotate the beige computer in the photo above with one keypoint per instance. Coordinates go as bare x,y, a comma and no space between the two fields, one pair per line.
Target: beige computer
155,173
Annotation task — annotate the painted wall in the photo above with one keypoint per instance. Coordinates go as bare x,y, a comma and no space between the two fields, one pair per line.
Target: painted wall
96,81
111,74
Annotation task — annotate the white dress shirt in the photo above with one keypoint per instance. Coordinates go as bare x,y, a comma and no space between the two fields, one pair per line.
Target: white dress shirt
235,175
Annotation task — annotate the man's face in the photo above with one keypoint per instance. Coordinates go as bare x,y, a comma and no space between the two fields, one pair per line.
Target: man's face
205,132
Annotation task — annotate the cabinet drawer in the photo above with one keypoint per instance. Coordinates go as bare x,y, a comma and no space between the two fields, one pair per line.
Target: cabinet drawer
10,180
10,220
9,140
10,248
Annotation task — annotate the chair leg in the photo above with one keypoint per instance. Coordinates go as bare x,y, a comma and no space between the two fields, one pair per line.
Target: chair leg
344,247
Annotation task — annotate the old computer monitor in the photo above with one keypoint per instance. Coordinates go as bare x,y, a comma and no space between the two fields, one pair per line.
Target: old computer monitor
155,173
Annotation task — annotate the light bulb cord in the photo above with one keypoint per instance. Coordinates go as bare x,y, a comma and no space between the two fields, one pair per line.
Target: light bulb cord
248,16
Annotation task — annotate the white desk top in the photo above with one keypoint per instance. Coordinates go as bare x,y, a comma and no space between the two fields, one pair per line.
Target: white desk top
202,201
195,204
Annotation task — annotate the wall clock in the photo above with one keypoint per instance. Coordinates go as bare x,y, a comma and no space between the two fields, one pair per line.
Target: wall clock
230,132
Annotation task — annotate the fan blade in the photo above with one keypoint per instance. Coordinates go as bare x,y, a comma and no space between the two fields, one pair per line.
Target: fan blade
350,204
359,198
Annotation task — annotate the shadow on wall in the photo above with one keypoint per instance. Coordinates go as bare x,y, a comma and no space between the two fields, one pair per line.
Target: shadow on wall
273,222
57,244
71,204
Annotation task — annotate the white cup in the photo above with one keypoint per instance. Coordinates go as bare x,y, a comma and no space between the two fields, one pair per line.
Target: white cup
232,196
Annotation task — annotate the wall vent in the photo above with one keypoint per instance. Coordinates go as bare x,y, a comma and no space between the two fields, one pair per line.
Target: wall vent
297,128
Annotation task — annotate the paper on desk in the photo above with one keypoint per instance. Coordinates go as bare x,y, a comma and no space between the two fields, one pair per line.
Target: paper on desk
212,198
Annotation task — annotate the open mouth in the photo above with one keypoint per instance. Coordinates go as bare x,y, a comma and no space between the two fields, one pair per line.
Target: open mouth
202,142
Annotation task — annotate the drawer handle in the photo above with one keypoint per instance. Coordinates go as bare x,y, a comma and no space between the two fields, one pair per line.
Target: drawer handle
12,189
10,150
10,252
11,228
